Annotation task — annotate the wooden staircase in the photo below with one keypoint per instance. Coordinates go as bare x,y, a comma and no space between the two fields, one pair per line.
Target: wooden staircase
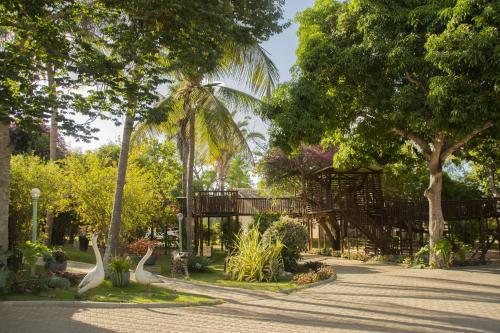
377,234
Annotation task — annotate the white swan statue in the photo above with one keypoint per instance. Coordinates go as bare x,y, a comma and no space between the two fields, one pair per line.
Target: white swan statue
145,277
95,277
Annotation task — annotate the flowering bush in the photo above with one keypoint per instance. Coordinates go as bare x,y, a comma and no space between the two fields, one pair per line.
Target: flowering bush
140,247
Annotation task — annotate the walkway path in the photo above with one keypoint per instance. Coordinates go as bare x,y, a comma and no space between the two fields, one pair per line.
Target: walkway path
366,297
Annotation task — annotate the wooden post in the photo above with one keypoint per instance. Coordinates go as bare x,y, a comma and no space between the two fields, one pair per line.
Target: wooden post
410,238
309,233
209,232
482,238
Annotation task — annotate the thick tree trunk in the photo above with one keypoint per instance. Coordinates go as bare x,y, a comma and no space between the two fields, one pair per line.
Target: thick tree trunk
52,142
436,218
189,180
116,215
5,153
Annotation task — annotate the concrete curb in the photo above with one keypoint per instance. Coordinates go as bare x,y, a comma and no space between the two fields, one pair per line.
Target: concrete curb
88,304
312,285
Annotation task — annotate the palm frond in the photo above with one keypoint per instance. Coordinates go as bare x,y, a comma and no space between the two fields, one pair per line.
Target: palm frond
251,66
237,100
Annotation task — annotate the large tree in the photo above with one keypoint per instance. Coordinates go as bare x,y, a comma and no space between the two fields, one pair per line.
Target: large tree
191,35
386,72
30,36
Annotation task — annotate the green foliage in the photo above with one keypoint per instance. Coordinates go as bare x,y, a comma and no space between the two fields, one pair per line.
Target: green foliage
443,249
198,264
28,172
227,230
120,265
263,220
367,70
293,235
31,251
238,175
255,258
55,282
57,255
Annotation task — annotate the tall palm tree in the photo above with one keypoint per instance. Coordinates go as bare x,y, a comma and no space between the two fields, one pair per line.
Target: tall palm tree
198,108
222,155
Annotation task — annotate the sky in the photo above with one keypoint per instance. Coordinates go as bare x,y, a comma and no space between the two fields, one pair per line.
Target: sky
281,48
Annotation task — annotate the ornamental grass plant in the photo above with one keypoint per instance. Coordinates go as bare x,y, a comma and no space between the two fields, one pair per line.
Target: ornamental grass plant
255,258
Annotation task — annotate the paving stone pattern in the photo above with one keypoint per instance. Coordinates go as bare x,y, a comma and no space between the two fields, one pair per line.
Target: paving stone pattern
365,298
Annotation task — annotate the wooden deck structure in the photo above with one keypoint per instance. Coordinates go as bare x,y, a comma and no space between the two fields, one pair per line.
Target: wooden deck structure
344,203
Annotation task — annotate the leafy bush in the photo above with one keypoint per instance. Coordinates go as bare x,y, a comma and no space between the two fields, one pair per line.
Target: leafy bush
313,265
255,259
323,273
58,256
460,254
56,282
120,265
31,251
443,249
264,220
198,264
305,278
294,237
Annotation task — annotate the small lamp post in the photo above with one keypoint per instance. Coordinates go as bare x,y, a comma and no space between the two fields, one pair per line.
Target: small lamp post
35,195
180,217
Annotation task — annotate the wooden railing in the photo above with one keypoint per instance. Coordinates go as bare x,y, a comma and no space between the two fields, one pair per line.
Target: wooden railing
452,209
286,206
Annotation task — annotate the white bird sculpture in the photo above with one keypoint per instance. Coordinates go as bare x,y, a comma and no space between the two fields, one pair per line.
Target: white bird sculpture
145,277
95,277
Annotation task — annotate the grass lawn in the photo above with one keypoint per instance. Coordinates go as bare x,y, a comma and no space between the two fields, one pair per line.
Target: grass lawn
75,254
134,293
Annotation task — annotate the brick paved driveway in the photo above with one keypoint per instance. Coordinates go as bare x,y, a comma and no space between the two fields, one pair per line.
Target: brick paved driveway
365,298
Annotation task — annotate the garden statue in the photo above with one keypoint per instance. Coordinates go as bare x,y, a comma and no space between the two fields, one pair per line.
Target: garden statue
145,277
96,276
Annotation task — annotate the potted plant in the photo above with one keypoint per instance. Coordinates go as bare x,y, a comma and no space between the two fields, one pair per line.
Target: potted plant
140,247
120,271
83,241
55,261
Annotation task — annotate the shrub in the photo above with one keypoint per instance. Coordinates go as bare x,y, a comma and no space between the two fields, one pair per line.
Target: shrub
305,278
313,265
443,250
58,256
255,259
460,254
198,264
56,282
323,273
294,237
264,220
140,247
120,265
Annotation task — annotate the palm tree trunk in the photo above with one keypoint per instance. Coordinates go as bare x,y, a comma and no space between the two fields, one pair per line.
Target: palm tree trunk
189,178
5,153
116,215
52,142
